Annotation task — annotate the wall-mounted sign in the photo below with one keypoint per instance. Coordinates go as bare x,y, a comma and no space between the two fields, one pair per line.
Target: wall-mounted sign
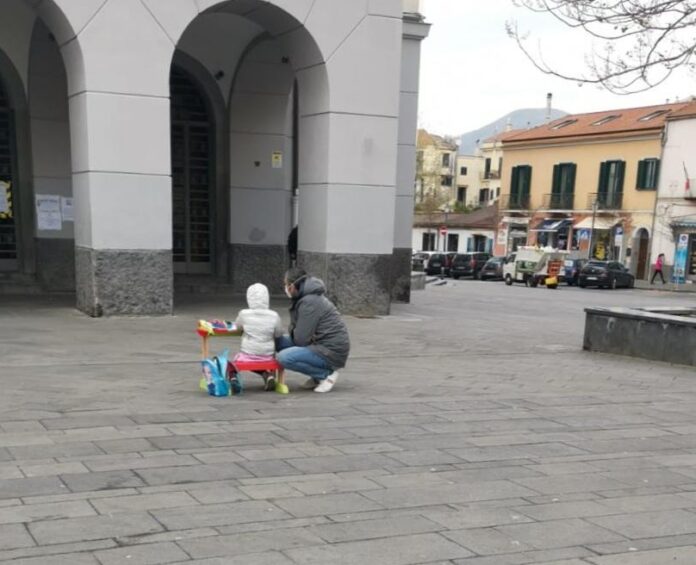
66,209
48,215
277,160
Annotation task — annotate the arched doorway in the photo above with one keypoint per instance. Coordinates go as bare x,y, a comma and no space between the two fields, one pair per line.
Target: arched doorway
193,150
8,180
642,244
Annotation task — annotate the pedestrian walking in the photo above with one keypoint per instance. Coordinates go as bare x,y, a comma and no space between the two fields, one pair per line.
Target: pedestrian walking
659,264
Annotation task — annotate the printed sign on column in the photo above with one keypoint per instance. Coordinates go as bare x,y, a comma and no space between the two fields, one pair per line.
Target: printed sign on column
48,216
680,257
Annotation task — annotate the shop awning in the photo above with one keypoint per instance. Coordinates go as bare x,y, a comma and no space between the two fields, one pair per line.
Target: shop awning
684,224
600,223
553,225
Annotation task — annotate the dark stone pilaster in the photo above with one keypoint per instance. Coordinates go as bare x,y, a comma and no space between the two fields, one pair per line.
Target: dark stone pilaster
250,264
124,282
55,264
401,275
359,285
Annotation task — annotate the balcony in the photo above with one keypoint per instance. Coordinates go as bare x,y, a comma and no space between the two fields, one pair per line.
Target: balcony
557,201
490,175
514,201
605,200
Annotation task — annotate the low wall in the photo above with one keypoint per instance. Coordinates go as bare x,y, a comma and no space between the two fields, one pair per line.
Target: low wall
658,334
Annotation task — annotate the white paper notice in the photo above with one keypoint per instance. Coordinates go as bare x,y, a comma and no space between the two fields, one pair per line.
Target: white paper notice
4,200
48,217
66,208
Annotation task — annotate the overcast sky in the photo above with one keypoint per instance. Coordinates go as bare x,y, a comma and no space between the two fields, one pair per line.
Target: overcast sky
472,73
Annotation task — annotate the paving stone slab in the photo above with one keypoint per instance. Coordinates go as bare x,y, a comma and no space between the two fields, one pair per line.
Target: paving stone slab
404,550
650,524
219,515
372,529
143,554
676,555
92,528
560,533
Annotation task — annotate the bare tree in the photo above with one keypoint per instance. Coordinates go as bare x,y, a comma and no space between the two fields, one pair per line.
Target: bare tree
643,41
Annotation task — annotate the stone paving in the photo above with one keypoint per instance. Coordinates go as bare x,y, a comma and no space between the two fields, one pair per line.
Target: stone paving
469,428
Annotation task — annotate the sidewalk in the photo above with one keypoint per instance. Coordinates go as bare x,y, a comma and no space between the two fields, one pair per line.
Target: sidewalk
469,428
671,287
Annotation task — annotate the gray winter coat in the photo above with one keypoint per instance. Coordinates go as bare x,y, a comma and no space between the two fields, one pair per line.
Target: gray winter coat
316,324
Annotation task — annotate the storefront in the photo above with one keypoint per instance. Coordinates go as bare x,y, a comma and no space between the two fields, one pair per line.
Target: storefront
604,234
512,234
685,251
554,232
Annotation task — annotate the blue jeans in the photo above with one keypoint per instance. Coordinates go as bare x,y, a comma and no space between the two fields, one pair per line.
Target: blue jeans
301,359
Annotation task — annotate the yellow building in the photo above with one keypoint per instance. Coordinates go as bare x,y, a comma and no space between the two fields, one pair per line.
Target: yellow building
585,182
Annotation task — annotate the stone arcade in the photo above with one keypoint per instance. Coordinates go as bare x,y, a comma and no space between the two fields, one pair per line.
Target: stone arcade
192,135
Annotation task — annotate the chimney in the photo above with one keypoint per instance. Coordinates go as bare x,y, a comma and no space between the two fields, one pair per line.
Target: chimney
508,125
549,101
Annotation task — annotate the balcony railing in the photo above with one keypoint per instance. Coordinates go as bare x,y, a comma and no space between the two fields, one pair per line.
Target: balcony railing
556,201
514,202
605,200
490,175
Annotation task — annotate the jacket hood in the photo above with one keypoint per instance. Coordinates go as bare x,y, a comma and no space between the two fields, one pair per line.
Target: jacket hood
257,297
312,285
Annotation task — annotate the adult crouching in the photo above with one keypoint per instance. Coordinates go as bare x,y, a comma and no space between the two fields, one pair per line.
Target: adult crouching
318,343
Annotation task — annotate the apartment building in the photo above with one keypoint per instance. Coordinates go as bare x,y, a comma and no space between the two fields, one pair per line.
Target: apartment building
585,182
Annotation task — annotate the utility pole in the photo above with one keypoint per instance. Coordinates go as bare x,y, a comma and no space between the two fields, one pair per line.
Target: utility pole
595,205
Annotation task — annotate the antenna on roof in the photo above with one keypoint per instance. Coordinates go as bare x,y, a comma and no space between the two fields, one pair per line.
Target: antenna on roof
549,103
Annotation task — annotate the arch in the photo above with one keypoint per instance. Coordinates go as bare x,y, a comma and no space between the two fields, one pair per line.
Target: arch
22,189
218,111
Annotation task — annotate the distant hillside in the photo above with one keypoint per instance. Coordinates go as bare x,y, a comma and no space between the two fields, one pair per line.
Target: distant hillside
519,119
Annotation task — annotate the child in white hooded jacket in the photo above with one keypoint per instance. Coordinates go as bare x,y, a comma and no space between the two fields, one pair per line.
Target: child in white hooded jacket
260,327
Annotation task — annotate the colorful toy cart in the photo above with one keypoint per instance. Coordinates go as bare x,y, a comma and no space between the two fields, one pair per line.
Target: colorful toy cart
207,329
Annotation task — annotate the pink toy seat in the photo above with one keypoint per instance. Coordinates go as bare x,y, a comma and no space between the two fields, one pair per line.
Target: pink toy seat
270,365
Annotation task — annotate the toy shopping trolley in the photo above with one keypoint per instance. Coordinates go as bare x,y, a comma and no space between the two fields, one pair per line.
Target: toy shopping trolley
221,377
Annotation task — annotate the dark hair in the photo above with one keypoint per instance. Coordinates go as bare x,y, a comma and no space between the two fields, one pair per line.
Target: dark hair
294,275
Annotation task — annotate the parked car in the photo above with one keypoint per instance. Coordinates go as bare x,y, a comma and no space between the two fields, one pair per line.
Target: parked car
572,268
493,269
468,264
436,264
605,274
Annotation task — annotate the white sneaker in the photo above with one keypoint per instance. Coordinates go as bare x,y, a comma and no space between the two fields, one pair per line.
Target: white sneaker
309,384
327,384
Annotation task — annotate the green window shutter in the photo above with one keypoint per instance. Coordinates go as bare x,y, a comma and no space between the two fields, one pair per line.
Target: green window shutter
603,178
656,180
571,177
556,184
514,182
640,178
528,183
620,173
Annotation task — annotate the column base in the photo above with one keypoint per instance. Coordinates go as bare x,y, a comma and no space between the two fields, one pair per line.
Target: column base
401,275
55,264
359,285
251,264
124,282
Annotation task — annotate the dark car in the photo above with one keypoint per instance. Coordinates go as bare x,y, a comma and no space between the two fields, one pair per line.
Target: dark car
493,269
436,264
468,264
605,274
571,270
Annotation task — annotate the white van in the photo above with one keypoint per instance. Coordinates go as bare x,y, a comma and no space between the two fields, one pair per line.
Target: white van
530,265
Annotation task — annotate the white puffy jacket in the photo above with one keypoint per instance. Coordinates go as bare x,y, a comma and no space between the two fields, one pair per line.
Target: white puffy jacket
260,324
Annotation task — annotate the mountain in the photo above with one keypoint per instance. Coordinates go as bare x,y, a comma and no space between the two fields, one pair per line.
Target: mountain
519,119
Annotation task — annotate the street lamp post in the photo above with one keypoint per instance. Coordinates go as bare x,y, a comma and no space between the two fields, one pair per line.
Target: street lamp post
595,205
446,210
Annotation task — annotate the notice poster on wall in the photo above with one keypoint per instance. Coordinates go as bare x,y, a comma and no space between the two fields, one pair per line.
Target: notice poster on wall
5,200
680,257
66,209
48,215
277,159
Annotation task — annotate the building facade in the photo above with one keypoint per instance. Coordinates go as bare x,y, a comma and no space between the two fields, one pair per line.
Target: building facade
675,211
436,161
146,140
456,232
585,182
